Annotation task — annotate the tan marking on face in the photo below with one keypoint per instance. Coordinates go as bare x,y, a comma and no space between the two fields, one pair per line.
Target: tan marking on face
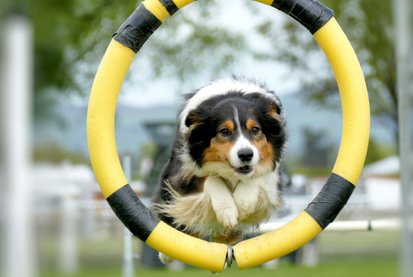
218,151
220,147
266,152
251,123
229,124
265,148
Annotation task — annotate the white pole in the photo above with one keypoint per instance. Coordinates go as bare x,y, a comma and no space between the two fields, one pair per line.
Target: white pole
68,254
128,268
403,19
19,249
88,219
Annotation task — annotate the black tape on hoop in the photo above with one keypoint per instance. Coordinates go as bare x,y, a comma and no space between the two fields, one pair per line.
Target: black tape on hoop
132,212
137,28
330,200
310,13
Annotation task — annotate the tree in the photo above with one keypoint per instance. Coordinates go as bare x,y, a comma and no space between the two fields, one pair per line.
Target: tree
67,34
71,36
369,27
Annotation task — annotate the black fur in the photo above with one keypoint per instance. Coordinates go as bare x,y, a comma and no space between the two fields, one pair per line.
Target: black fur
203,123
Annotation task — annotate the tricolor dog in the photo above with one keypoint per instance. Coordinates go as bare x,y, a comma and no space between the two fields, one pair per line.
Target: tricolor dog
223,173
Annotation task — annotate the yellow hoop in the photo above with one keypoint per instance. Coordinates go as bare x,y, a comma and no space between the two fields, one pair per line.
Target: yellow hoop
319,20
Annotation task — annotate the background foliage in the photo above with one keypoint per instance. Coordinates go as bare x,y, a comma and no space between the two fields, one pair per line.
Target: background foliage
369,27
71,36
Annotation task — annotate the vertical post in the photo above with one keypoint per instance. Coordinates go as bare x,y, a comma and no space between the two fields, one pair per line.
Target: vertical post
128,268
19,249
88,219
404,57
68,253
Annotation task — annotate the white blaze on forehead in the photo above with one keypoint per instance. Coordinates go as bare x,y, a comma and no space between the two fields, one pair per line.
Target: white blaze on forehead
241,143
237,121
220,87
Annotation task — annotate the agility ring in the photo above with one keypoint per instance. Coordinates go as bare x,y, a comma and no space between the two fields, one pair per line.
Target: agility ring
127,41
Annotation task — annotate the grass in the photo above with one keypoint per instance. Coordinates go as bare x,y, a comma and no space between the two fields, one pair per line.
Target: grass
343,254
377,268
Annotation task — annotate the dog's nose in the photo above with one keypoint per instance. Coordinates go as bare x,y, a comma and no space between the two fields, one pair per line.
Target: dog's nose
245,154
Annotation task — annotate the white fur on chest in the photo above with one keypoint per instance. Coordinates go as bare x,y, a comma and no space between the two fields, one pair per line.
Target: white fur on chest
224,207
250,201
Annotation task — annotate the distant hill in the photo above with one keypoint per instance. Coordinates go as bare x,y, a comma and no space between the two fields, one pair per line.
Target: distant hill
70,132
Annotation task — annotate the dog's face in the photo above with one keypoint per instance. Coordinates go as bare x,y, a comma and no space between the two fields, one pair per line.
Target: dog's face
236,133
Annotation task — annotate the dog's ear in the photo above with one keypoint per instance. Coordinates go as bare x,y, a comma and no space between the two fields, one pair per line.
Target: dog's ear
273,126
272,119
192,119
274,109
198,135
197,117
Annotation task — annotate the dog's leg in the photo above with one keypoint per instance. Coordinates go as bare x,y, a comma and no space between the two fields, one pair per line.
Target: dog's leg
246,197
222,201
256,194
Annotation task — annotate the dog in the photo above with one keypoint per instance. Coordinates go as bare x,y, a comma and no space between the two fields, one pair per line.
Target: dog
223,174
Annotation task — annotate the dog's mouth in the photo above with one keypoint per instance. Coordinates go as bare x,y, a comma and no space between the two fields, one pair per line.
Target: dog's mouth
246,169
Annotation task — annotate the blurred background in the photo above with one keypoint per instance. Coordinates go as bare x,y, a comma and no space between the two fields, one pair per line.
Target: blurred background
53,218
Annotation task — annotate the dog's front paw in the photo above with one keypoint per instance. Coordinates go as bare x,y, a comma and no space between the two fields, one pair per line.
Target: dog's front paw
227,216
165,259
246,200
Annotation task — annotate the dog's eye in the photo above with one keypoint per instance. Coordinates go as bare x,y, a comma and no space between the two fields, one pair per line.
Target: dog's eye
225,132
255,131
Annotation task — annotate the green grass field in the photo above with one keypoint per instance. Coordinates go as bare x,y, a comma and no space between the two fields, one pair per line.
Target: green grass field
345,254
377,268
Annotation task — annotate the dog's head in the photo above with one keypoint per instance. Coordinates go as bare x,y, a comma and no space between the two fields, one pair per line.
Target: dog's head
235,131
